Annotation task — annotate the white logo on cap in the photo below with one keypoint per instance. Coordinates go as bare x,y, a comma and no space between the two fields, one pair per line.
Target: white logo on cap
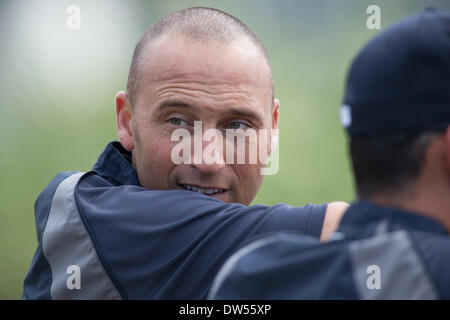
346,115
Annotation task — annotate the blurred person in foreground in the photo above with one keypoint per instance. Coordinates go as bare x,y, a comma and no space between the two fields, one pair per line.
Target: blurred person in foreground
393,242
141,225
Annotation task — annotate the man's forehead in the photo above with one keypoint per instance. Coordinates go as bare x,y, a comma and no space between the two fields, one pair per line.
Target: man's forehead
183,58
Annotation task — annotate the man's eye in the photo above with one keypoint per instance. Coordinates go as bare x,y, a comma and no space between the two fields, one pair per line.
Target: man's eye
236,125
177,122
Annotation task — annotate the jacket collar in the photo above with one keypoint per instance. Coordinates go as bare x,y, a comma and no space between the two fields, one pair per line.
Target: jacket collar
363,213
114,164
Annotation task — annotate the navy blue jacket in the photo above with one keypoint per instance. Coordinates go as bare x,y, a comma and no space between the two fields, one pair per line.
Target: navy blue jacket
376,253
103,236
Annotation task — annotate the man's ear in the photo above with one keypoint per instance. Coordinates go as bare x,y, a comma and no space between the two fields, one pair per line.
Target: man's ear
275,110
447,149
274,133
124,120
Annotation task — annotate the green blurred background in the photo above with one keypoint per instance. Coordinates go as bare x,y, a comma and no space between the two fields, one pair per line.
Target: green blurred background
57,90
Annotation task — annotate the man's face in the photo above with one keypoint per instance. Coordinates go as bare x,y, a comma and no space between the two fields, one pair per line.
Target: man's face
181,81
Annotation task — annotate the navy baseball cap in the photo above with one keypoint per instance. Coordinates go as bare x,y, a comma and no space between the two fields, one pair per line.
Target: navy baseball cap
400,80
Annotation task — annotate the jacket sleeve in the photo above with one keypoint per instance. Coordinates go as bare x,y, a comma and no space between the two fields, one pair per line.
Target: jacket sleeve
170,244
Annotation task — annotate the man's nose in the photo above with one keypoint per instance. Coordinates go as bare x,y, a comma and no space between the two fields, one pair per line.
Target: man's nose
210,158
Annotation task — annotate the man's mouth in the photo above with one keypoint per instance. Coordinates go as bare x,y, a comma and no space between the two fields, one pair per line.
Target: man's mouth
207,191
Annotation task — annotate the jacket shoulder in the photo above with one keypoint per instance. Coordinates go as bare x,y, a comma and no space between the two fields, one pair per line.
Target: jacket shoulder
38,280
434,251
44,200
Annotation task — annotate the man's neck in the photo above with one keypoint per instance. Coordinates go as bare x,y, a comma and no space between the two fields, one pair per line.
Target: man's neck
429,202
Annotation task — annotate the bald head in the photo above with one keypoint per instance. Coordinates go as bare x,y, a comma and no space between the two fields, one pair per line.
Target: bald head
205,25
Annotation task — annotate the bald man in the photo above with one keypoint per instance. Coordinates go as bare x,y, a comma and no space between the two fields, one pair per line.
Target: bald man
142,225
